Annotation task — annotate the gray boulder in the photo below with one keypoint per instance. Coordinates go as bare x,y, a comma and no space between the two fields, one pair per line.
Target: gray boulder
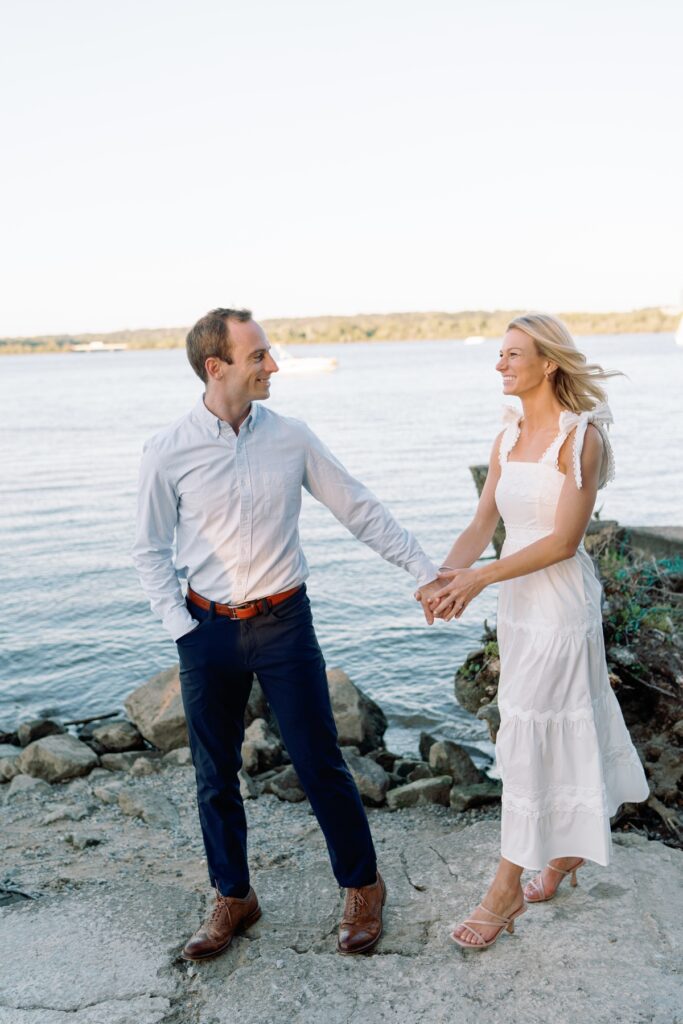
248,788
152,808
424,791
108,793
258,707
370,777
385,758
261,750
125,761
8,733
145,766
420,771
37,728
115,737
426,743
181,757
65,812
156,708
25,786
404,766
286,786
9,761
360,722
490,713
479,794
57,758
450,758
82,840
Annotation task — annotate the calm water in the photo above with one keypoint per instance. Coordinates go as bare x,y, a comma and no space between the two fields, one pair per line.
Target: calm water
76,632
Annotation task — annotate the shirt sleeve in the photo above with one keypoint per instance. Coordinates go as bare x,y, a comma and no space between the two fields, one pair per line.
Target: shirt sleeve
157,516
357,508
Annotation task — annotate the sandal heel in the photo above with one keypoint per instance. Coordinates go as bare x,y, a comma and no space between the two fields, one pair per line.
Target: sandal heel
511,928
574,883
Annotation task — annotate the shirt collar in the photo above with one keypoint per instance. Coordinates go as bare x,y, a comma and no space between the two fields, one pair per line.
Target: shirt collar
212,423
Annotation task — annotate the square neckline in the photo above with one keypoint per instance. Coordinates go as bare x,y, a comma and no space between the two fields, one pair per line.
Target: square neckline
561,436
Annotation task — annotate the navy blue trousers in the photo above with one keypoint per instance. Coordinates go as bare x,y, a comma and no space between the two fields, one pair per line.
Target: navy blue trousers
217,662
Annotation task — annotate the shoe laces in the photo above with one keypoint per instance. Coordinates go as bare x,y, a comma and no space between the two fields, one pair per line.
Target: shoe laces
220,907
355,904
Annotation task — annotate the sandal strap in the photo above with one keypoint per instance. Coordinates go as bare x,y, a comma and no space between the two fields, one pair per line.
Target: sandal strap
501,923
565,871
503,920
538,885
482,940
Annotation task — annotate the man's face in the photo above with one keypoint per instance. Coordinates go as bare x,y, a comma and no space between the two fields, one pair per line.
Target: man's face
247,378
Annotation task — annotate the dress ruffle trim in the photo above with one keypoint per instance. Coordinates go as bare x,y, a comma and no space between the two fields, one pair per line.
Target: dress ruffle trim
582,629
512,712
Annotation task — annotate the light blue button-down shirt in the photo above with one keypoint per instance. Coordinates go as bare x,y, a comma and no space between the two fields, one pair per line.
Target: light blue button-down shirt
232,503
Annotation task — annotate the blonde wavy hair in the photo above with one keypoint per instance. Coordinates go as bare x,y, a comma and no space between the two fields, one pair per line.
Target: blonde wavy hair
575,382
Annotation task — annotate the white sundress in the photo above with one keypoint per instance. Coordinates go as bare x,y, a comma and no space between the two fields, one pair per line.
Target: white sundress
563,750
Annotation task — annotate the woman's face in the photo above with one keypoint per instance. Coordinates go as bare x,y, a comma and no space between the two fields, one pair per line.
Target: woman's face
522,368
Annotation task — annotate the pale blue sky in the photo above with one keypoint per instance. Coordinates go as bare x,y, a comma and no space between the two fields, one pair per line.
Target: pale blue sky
163,157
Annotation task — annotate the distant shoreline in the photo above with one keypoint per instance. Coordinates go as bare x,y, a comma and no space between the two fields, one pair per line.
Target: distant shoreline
364,327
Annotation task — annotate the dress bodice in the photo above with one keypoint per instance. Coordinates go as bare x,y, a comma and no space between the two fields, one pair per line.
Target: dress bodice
528,492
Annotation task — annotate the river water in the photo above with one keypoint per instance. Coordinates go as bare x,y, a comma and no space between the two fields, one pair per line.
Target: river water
76,634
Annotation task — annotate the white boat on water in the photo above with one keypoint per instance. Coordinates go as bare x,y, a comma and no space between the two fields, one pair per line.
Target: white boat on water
301,364
475,339
97,346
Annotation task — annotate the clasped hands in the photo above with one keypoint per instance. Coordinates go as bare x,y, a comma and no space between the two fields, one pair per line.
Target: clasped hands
447,596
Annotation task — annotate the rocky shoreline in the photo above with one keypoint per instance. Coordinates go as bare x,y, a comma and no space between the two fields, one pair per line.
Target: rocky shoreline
154,735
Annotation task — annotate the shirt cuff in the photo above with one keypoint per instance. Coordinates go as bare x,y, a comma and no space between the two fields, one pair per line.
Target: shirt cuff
424,571
178,622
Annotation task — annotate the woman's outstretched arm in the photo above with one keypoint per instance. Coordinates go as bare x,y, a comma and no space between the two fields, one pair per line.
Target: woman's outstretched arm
475,538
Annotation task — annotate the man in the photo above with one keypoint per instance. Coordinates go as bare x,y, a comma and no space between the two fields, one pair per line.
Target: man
226,480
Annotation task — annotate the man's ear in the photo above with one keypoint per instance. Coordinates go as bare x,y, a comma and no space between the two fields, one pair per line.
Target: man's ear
214,367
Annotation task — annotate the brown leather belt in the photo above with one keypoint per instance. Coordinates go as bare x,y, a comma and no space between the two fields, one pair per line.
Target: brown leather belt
247,610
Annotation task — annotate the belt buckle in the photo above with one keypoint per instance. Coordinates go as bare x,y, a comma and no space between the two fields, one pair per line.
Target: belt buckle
240,607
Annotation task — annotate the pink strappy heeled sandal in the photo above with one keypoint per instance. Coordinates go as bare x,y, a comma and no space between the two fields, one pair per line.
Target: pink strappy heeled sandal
506,924
534,891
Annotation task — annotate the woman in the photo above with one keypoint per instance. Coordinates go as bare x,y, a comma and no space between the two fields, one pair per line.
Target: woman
563,750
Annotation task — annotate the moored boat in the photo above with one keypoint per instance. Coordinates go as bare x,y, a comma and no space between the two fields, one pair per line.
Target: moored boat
97,346
301,364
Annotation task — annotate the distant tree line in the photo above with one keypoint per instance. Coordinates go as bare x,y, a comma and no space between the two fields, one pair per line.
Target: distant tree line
366,327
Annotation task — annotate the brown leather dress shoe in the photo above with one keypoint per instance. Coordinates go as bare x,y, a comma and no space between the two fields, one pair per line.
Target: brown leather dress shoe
361,924
228,916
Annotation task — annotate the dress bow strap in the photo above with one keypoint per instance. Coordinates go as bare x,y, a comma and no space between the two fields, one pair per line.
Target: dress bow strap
601,417
511,421
511,415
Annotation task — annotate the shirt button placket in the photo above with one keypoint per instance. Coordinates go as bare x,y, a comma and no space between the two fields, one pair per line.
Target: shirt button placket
245,517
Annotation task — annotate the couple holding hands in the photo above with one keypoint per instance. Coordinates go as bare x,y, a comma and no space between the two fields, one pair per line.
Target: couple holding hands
219,501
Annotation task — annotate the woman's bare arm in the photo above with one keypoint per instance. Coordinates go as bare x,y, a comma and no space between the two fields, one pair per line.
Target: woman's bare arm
476,537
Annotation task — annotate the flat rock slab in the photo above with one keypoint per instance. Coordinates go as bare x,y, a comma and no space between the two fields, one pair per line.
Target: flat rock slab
89,958
139,1010
100,940
577,959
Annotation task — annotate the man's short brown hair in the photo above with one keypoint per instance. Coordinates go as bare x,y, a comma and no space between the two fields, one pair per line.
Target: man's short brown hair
210,336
